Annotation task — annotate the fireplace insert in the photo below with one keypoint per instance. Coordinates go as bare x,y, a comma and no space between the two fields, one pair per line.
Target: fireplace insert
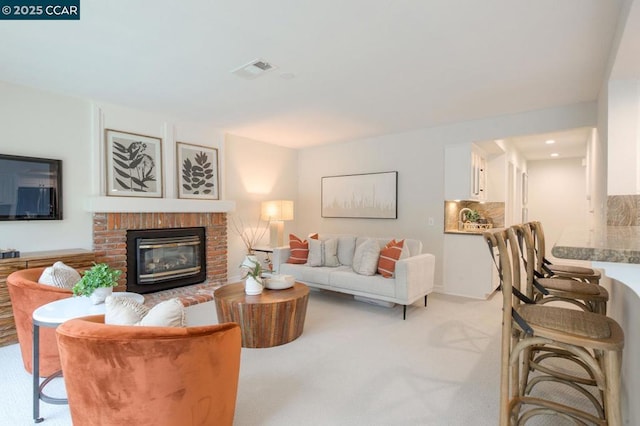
160,259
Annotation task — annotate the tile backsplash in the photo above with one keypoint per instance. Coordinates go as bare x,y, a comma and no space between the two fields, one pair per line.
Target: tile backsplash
623,210
492,211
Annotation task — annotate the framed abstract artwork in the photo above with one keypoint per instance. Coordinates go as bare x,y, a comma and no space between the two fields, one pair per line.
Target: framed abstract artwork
134,164
197,171
370,195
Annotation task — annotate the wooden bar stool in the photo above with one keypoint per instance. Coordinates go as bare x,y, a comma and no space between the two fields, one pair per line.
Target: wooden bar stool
593,342
588,296
547,269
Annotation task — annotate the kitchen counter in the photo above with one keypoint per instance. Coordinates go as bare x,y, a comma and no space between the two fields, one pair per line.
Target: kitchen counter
616,251
464,232
620,244
457,232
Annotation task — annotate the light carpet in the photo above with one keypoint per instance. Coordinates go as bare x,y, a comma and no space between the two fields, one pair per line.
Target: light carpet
355,364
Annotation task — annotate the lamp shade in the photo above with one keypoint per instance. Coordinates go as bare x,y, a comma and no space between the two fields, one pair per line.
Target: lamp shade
277,210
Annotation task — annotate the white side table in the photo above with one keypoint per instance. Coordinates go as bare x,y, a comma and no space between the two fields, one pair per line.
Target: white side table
52,315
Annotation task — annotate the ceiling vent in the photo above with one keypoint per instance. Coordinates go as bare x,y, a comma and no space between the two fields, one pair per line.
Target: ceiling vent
254,69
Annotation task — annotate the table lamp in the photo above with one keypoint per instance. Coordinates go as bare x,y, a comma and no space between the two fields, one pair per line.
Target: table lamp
276,212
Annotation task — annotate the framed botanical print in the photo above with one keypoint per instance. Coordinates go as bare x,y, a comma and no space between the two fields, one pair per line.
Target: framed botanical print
197,171
134,164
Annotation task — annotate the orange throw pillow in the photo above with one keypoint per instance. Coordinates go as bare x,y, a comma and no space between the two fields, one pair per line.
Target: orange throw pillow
389,255
299,249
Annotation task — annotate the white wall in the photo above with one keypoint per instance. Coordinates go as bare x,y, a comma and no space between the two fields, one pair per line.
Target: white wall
170,129
41,124
557,197
256,172
418,157
600,159
419,163
596,175
624,137
514,166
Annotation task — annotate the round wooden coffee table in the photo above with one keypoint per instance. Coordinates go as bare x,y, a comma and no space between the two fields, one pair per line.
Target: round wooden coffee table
272,318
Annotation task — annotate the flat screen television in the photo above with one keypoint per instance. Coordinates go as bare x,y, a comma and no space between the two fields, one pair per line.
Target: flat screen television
30,188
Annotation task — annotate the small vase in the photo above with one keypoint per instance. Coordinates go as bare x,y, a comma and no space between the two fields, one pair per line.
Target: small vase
252,286
100,294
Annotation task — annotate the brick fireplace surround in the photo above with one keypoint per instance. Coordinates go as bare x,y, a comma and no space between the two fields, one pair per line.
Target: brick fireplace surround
110,239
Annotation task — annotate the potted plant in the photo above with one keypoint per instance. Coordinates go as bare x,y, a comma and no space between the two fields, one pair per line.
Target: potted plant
97,282
473,216
252,275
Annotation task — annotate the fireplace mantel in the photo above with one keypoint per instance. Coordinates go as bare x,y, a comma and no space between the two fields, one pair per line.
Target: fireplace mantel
156,205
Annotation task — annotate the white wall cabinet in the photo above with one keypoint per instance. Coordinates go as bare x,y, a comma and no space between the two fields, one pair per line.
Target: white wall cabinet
465,168
468,269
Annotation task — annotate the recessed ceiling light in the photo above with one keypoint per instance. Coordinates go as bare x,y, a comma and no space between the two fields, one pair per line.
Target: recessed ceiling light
550,142
554,154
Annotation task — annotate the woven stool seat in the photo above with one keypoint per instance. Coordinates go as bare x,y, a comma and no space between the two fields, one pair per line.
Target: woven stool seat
603,330
573,286
571,269
575,272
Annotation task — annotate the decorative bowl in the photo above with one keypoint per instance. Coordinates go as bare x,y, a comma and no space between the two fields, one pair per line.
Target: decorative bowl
279,282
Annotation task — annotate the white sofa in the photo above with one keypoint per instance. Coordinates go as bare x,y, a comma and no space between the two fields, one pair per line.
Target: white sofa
413,278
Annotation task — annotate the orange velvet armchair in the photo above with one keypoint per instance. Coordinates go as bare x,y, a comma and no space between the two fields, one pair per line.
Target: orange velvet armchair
132,375
26,296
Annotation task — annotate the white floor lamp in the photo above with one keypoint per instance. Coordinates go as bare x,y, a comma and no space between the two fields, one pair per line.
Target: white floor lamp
276,212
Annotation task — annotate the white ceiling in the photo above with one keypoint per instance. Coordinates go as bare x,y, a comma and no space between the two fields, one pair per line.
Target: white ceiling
361,68
566,144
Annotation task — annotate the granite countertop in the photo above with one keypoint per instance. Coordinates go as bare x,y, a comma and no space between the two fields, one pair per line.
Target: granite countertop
451,231
462,232
619,244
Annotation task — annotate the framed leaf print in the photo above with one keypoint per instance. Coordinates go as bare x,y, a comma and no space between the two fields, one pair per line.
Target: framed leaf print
197,171
134,164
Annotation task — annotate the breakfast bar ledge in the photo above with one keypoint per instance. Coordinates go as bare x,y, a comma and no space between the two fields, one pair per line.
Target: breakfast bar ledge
616,251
